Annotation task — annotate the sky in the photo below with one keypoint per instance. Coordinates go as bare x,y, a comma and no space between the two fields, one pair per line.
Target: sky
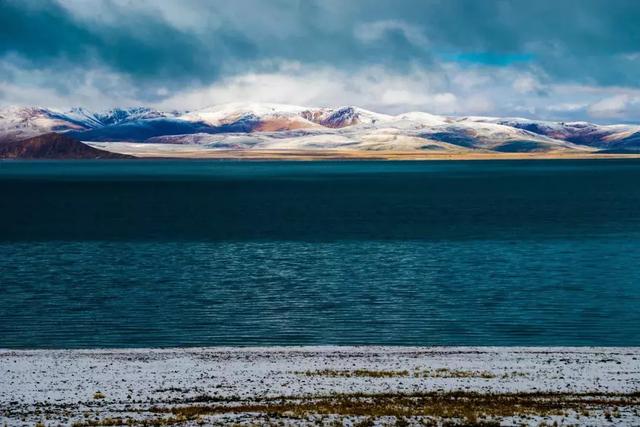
547,59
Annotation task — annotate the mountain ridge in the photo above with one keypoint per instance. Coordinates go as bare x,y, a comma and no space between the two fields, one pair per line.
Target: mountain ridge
54,146
281,126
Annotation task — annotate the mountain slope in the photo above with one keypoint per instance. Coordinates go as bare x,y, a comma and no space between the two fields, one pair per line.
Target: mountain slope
17,123
579,133
280,126
54,146
115,116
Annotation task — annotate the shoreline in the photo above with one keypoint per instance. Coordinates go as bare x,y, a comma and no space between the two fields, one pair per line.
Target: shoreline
170,151
321,385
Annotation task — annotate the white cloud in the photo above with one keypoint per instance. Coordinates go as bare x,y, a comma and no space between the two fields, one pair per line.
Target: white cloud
567,107
93,88
612,106
526,84
374,88
467,79
373,31
445,88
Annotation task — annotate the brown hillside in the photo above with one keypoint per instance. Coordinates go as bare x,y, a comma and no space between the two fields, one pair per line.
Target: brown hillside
54,146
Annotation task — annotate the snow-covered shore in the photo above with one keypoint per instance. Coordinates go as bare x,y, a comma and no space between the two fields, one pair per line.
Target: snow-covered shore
108,387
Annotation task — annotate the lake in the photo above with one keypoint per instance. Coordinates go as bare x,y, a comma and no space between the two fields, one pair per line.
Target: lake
211,253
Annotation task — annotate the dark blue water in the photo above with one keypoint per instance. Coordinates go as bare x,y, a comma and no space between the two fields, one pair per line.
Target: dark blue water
169,253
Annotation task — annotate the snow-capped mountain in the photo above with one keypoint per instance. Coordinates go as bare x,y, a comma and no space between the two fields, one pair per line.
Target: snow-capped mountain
580,133
343,116
280,126
93,120
24,122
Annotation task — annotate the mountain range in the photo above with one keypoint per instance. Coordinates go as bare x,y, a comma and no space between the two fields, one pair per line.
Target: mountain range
255,126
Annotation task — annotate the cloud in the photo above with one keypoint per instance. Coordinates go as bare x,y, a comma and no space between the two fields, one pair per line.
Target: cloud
95,88
457,56
577,40
527,84
375,88
615,106
141,45
609,107
460,91
371,32
371,87
567,107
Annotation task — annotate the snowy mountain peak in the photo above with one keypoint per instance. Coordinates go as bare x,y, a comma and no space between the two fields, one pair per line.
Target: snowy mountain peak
341,117
423,118
282,126
225,114
113,116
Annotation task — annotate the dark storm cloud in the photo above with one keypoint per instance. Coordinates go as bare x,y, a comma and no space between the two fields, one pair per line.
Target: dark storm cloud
162,47
43,34
583,40
570,39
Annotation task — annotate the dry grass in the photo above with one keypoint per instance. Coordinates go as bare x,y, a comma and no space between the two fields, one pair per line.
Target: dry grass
156,421
470,407
366,373
433,408
358,373
454,373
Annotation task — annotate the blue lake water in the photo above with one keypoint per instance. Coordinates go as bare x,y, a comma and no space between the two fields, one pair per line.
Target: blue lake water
194,253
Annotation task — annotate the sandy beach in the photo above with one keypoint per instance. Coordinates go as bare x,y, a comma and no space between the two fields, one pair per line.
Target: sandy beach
322,386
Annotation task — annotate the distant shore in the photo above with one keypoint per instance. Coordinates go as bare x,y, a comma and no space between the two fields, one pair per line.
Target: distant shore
321,386
176,151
